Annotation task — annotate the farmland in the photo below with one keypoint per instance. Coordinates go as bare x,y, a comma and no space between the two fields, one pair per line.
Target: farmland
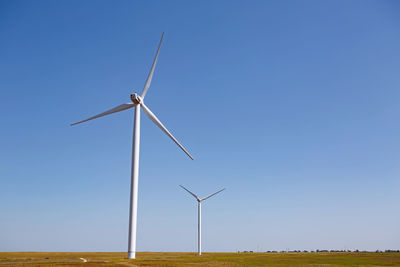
207,259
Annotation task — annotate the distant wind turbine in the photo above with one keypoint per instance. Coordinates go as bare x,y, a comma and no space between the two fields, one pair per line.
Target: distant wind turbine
199,200
137,103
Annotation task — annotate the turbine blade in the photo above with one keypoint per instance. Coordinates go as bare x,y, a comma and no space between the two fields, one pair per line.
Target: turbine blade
150,77
162,127
196,197
212,194
113,110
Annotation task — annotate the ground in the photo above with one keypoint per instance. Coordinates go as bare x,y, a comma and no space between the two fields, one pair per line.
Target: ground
191,259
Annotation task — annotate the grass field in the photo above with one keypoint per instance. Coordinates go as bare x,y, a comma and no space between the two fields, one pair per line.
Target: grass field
207,259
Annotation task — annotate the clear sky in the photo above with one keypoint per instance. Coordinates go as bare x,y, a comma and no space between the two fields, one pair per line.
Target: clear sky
293,106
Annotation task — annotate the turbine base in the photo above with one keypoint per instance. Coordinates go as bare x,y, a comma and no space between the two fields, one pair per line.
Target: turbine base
131,255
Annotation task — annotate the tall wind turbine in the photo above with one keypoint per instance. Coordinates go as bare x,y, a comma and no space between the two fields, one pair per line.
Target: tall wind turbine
199,200
137,103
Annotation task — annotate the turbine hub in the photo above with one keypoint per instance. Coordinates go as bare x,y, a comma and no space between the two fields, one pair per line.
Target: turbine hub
136,98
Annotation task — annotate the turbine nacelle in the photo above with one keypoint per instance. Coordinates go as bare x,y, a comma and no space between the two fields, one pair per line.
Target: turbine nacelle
136,98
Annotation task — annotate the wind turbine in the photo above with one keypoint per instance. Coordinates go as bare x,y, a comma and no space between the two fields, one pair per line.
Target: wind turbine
199,200
137,103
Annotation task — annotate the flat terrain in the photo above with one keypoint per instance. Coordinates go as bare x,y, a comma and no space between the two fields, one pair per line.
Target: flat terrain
190,259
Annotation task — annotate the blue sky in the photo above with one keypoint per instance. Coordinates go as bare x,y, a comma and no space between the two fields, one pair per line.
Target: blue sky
290,105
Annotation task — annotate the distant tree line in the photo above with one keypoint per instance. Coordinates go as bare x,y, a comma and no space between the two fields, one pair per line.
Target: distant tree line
321,250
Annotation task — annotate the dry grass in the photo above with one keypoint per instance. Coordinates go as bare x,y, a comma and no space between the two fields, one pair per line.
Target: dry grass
190,259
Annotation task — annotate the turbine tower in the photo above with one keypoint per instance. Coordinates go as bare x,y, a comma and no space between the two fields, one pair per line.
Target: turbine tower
138,103
199,200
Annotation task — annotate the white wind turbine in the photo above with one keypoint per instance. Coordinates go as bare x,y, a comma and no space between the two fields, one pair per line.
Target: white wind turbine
137,103
199,200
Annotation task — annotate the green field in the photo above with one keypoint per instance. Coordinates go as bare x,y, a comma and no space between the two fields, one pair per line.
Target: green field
207,259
